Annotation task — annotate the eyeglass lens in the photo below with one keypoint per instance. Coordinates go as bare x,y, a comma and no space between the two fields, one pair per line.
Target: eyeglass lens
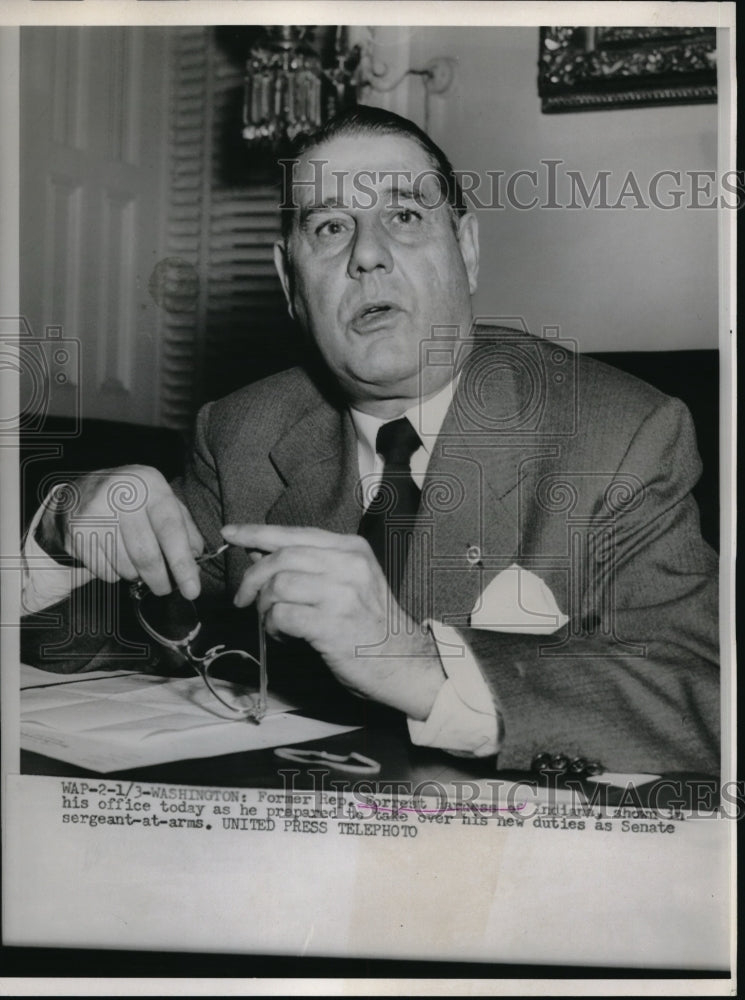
236,681
170,616
236,678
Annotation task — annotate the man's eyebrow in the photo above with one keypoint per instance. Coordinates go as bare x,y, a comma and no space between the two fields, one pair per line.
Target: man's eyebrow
406,192
328,204
307,211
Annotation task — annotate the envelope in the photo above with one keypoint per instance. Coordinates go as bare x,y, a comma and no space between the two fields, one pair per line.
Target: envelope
517,600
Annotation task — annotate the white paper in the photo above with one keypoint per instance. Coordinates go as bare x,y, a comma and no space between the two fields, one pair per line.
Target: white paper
33,677
291,893
111,723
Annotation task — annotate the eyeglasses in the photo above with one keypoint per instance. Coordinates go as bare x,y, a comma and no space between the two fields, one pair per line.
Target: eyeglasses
236,678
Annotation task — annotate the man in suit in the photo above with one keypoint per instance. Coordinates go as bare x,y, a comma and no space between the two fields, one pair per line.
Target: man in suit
468,525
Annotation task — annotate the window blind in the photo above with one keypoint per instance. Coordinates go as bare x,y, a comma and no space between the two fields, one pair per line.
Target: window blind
225,323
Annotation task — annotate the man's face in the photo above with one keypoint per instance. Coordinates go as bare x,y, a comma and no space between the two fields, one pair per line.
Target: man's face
374,263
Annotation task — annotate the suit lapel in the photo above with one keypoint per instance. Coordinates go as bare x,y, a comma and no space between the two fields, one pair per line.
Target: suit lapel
317,460
472,520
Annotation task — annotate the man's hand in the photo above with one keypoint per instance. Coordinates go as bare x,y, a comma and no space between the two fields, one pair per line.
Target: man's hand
329,589
153,531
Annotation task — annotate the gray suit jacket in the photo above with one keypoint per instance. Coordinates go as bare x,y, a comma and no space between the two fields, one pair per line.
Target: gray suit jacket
555,462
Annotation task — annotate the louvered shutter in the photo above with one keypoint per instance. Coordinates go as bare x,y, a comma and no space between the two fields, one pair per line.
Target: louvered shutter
181,295
225,323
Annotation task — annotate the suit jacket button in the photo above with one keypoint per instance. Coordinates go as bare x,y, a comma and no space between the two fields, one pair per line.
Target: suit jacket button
473,555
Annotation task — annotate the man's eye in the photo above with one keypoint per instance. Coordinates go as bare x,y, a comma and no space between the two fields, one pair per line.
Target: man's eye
408,216
333,227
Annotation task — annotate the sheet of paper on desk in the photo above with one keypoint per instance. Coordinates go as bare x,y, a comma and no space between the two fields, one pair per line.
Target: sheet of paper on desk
116,722
33,677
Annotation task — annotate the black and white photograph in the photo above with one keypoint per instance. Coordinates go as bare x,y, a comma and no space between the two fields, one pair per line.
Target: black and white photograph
367,446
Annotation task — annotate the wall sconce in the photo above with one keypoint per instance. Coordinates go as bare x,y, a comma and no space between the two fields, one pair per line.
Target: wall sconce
437,75
288,90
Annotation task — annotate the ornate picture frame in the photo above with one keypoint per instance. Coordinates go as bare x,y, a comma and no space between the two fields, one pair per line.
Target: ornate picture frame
591,68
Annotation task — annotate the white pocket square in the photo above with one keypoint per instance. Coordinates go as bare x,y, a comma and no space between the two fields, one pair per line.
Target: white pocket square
517,600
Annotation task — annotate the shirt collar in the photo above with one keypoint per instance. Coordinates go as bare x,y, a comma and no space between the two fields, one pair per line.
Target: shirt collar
426,417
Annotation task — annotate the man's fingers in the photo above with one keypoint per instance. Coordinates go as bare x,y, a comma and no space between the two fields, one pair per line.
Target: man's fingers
310,550
292,588
97,553
168,526
334,566
270,537
302,559
195,538
123,564
155,532
101,550
295,620
145,554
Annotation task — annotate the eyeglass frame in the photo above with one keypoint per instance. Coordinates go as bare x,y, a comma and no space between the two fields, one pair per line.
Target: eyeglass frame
138,590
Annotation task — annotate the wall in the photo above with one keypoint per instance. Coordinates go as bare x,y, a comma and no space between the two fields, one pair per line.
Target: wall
624,279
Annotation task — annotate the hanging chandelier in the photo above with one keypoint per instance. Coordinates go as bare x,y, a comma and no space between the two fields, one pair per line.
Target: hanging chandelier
287,89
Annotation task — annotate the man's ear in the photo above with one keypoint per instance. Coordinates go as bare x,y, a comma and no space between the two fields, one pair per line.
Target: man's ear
468,238
284,270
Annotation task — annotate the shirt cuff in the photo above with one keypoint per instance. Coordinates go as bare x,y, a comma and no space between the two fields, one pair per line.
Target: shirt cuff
464,719
45,581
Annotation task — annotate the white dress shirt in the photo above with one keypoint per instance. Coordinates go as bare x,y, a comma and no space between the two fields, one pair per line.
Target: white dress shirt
45,581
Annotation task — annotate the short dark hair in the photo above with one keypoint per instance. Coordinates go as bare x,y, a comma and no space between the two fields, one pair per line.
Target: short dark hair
364,119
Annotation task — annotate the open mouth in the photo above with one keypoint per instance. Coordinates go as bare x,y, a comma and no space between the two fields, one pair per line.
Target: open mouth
373,314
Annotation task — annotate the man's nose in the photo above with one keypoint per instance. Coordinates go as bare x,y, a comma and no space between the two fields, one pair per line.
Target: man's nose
370,249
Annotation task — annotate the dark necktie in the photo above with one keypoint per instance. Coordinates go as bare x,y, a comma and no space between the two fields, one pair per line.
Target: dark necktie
388,521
